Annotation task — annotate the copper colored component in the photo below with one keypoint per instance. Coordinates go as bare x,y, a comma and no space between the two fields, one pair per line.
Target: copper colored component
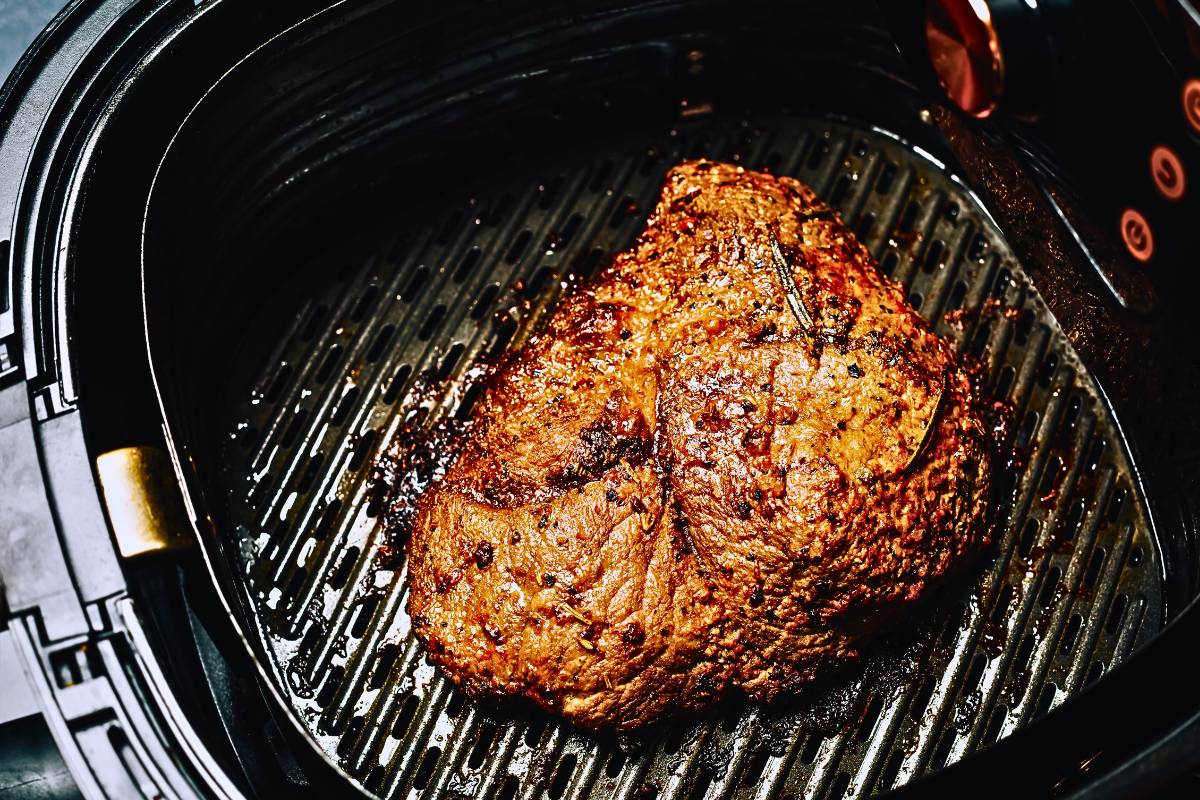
965,52
1167,171
1136,234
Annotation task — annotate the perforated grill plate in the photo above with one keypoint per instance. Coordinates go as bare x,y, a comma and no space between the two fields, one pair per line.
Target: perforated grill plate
1073,586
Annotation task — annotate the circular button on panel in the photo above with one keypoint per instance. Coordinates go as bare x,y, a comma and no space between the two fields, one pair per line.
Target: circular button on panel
1167,171
1136,234
1191,103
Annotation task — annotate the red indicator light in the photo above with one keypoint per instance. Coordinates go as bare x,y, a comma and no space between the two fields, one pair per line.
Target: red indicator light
1136,234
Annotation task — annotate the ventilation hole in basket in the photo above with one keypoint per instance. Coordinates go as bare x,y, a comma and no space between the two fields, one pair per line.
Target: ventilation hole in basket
915,300
1046,699
1026,431
866,221
1074,520
396,384
365,613
415,283
891,770
1025,321
841,190
404,717
470,397
450,226
425,771
729,721
484,303
975,673
1094,673
538,282
1094,455
296,583
979,247
954,621
509,789
908,220
1029,536
1117,615
812,746
467,264
350,738
364,303
363,444
921,701
431,322
1004,381
483,746
839,786
310,325
549,190
328,519
562,776
958,293
1116,504
499,210
275,389
455,706
942,751
886,179
995,724
312,638
754,769
888,265
380,344
570,229
616,763
309,476
979,343
1003,281
870,718
1136,555
1050,587
819,150
517,248
339,575
1047,370
933,256
293,429
342,410
385,658
374,781
702,782
1071,634
1024,651
1071,415
333,679
534,732
450,361
328,364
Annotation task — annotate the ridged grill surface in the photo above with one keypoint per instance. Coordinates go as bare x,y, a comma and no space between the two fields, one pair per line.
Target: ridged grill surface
1074,583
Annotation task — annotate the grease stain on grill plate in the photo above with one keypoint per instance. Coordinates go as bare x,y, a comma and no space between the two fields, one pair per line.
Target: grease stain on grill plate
1060,601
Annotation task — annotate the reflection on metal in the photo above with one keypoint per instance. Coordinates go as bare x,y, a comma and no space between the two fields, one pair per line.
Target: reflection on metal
144,506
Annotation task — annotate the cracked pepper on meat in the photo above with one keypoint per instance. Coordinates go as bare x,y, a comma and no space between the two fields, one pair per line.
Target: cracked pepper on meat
680,489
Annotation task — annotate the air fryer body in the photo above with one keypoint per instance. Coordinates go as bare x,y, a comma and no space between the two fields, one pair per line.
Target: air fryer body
199,200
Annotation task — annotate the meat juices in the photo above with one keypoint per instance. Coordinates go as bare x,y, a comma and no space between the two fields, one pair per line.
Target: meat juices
682,488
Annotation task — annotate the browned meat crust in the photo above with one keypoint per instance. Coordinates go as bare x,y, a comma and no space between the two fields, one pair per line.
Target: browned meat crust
678,490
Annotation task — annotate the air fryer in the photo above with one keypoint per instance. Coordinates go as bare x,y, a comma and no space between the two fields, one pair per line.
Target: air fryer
250,247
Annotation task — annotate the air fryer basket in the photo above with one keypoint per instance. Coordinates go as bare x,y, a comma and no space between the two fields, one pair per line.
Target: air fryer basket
332,244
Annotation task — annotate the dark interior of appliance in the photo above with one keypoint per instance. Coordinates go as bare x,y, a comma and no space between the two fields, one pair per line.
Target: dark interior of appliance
367,195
